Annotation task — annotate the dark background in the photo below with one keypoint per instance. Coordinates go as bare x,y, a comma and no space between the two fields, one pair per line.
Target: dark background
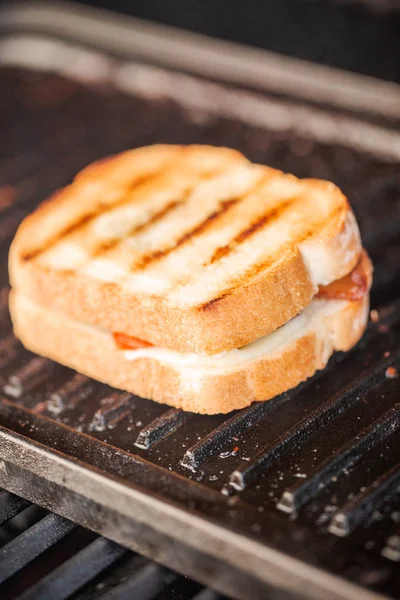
361,36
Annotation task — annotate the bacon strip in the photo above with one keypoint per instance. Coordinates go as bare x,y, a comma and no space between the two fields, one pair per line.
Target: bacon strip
353,286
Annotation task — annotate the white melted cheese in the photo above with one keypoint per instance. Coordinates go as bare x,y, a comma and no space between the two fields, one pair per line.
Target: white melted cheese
311,318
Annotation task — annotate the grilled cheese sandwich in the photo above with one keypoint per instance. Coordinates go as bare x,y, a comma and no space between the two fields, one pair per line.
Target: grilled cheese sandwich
191,267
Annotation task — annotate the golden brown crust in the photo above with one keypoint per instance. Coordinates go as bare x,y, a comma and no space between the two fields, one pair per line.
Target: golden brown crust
94,353
257,303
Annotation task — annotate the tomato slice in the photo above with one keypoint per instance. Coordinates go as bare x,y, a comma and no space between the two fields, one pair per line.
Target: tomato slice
128,342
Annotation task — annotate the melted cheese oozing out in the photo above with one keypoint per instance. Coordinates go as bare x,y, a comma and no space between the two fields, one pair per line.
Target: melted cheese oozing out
313,317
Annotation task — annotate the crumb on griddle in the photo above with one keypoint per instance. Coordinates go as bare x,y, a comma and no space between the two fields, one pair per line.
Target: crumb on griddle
391,373
374,315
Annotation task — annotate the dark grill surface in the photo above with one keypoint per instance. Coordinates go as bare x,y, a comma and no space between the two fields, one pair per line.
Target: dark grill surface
44,556
313,473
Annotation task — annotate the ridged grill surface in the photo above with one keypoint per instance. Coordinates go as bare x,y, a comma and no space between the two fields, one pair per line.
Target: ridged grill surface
314,472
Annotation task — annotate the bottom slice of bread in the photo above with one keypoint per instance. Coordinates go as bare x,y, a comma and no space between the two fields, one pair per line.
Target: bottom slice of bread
198,383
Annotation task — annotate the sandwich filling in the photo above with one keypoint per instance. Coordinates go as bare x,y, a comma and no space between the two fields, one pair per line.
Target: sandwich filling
352,287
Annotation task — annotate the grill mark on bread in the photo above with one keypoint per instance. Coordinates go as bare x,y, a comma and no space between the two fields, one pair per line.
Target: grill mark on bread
250,230
257,267
85,219
151,257
253,270
102,209
223,207
107,245
211,303
110,244
157,216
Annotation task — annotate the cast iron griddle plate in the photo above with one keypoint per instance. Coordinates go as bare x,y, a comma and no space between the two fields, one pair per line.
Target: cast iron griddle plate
300,494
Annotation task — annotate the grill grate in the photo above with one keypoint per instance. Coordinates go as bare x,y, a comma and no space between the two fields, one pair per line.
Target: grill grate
77,571
18,553
312,474
86,567
10,506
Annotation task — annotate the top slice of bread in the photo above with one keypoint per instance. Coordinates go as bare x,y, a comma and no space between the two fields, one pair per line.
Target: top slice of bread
192,248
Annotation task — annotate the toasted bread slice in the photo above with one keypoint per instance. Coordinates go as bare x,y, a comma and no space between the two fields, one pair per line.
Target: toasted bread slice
190,248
